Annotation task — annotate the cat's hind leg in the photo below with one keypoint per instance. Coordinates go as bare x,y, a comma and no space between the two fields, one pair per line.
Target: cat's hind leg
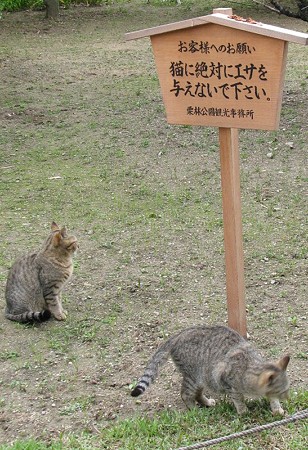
189,391
203,400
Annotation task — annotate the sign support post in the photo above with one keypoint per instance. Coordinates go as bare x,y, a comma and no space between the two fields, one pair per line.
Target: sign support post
232,218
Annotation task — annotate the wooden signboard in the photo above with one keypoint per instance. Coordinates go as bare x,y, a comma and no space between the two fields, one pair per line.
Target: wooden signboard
210,75
225,71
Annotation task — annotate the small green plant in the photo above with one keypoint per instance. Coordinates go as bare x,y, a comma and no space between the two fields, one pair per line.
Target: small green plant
283,294
19,385
302,355
4,356
293,320
80,404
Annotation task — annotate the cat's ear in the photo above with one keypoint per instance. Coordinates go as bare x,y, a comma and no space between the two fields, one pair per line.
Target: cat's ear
283,362
267,377
56,239
54,226
64,231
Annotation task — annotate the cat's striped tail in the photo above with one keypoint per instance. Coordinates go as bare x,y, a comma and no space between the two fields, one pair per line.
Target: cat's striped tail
159,358
28,317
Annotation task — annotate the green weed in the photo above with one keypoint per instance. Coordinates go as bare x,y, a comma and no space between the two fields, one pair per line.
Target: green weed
5,356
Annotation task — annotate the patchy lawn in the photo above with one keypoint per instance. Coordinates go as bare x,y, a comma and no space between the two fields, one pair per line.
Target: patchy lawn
84,141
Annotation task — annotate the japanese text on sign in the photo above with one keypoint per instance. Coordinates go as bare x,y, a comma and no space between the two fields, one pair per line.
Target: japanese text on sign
220,112
207,48
229,81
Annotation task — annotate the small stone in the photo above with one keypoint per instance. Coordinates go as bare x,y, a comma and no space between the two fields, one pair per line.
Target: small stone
290,144
269,155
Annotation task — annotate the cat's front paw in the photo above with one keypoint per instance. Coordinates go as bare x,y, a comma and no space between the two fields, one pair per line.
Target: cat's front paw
276,408
278,411
241,409
60,315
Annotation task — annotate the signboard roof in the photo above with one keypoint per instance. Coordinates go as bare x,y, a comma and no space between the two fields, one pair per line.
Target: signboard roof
229,21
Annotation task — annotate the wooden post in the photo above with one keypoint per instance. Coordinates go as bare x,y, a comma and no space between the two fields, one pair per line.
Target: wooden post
232,215
226,11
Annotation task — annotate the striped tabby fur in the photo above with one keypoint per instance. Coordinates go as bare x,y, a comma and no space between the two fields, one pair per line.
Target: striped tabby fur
220,360
35,281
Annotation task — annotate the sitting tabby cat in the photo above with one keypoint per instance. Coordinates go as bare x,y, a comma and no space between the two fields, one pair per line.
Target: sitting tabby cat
218,358
35,281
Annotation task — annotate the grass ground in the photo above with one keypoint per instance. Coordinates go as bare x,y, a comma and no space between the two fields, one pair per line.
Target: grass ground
84,141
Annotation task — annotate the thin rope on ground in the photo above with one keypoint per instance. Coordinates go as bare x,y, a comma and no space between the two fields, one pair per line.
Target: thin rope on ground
297,416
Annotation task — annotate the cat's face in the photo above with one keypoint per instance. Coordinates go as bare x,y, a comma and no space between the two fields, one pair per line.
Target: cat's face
274,380
62,241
